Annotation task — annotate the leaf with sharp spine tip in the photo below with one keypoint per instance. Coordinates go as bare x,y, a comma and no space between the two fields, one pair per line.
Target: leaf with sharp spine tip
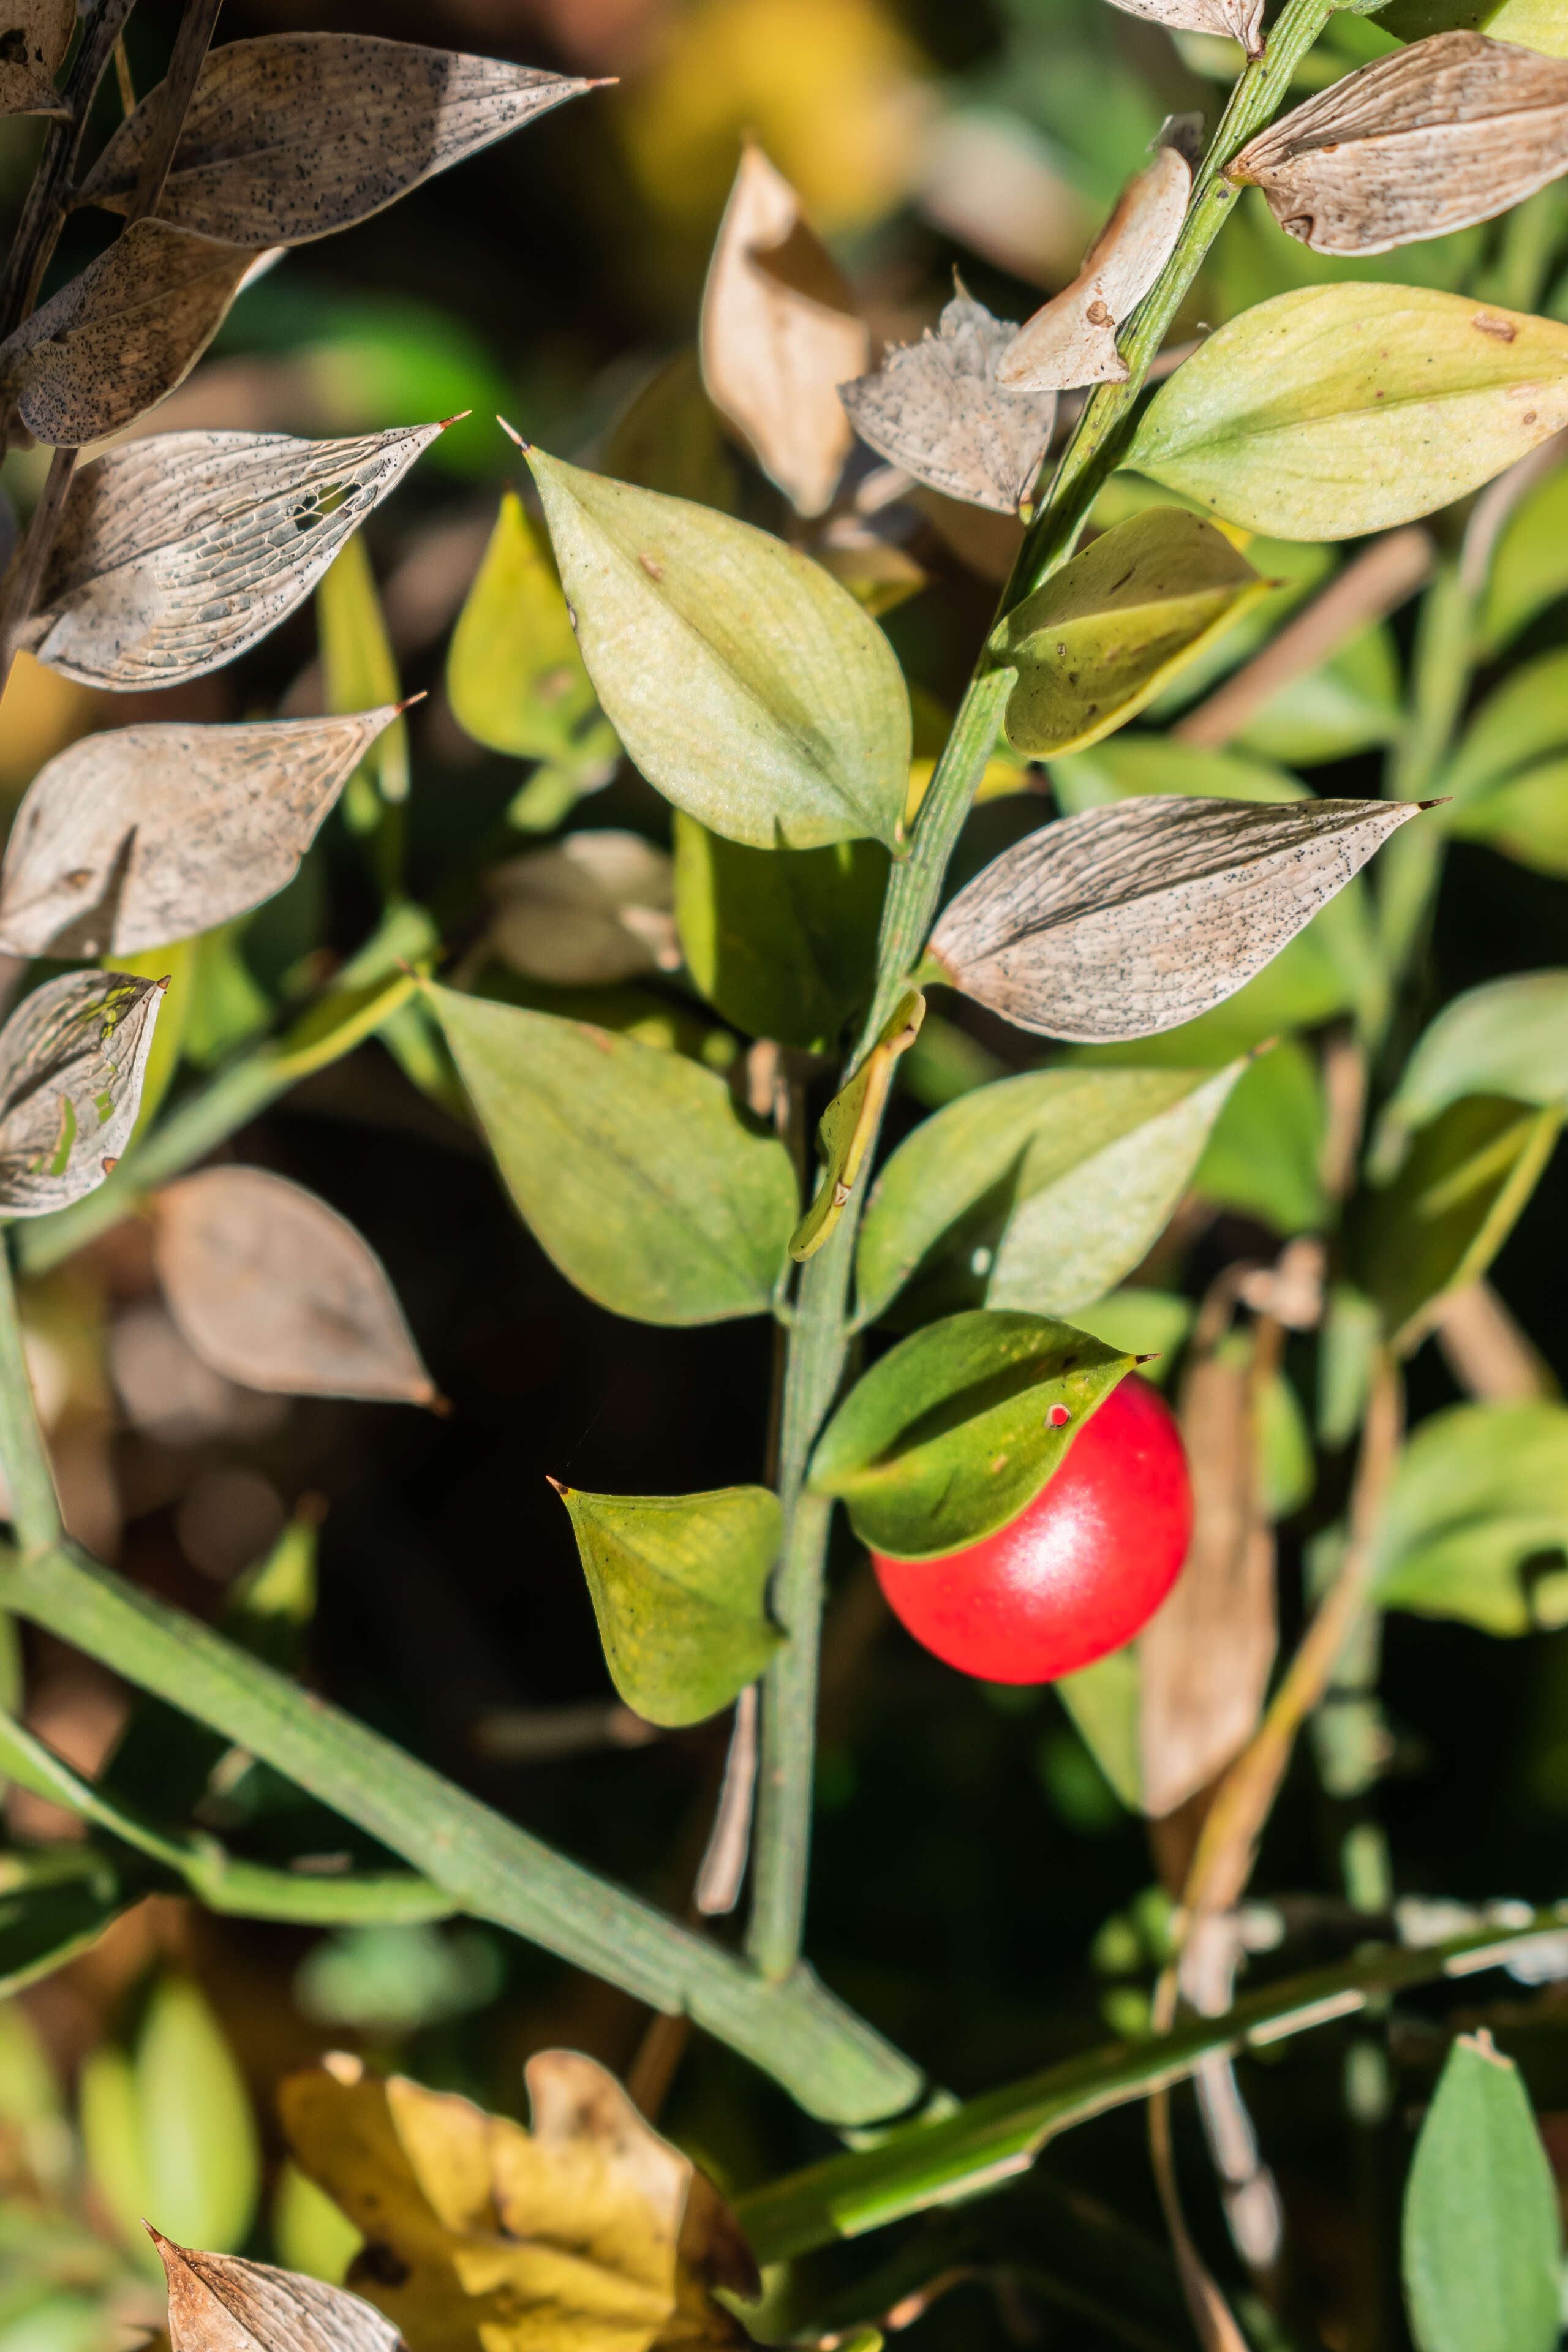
1134,918
849,1125
37,34
779,335
123,336
1235,20
680,1589
148,834
515,678
72,1057
1341,409
1072,340
1104,634
748,687
1434,138
296,135
179,552
219,2303
277,1291
936,409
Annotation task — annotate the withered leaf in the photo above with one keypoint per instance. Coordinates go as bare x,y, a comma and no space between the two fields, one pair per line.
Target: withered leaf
1439,135
277,1291
32,44
119,338
72,1059
295,135
1072,340
1237,20
596,907
149,833
483,2237
936,409
1131,918
219,2304
779,335
179,552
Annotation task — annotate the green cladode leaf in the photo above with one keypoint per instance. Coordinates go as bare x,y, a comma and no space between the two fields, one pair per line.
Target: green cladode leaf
1529,565
1524,818
1106,633
1534,23
1039,1191
679,1587
1104,1702
1351,703
949,1435
358,668
1475,1524
1341,409
1263,1156
1506,1037
631,1165
49,1919
1523,723
748,687
1482,2234
782,941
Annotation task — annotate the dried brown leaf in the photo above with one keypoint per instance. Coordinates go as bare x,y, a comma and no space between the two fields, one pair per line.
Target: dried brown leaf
779,335
219,2304
936,409
295,135
1072,340
1237,20
277,1291
179,552
149,833
595,907
1131,918
72,1059
119,338
1448,131
32,44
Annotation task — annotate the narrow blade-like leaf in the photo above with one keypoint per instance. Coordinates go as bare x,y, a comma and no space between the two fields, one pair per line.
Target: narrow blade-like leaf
72,1057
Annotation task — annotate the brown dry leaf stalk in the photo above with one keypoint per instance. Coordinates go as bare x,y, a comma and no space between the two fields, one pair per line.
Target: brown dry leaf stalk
219,2304
147,835
37,34
1237,20
1448,131
779,335
277,1291
296,135
72,1059
1072,341
936,409
483,2237
1131,918
179,552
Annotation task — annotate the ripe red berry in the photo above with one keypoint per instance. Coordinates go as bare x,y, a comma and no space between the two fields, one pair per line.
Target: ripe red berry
1079,1571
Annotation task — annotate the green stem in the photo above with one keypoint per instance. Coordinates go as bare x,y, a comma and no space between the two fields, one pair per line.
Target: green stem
34,1507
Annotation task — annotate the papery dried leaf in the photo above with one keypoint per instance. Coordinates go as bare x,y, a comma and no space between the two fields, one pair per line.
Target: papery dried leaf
150,834
34,39
277,1291
594,906
936,409
179,552
1131,918
72,1059
1072,341
779,335
587,2231
119,338
1237,20
295,135
1449,131
219,2304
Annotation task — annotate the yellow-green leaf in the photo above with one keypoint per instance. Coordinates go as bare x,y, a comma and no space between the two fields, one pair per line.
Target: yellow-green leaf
1534,23
514,677
849,1125
358,666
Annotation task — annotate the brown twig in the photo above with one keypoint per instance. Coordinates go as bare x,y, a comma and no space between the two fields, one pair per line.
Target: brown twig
723,1870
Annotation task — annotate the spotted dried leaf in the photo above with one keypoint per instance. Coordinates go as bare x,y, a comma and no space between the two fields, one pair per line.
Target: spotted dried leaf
119,338
275,1290
1237,20
936,409
33,38
219,2304
146,834
1438,136
1131,918
1072,341
179,552
779,335
72,1059
295,135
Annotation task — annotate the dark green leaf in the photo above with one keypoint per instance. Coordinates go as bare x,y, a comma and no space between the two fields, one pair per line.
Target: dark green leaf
782,941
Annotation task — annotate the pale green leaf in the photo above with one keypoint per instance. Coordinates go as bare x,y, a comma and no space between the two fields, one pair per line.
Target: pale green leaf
1529,564
1480,1497
1482,2234
950,1434
679,1587
1263,1156
1521,723
1534,23
1337,410
358,668
1350,703
515,678
632,1166
203,2164
1102,1701
849,1125
1524,818
749,688
1506,1037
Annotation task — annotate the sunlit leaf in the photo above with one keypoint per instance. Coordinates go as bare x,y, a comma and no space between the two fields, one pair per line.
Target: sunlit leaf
1237,20
514,676
1483,2236
72,1057
1475,1524
359,669
1072,340
936,409
219,2304
1539,23
1508,1036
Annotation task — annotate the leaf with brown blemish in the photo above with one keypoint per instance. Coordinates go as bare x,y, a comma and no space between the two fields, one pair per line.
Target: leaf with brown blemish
1072,340
34,36
72,1059
936,408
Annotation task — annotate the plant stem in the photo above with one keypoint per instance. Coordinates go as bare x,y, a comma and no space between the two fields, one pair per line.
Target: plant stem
819,1336
48,198
172,102
35,1509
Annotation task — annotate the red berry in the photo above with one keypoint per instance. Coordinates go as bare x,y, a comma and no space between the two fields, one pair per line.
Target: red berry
1079,1571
